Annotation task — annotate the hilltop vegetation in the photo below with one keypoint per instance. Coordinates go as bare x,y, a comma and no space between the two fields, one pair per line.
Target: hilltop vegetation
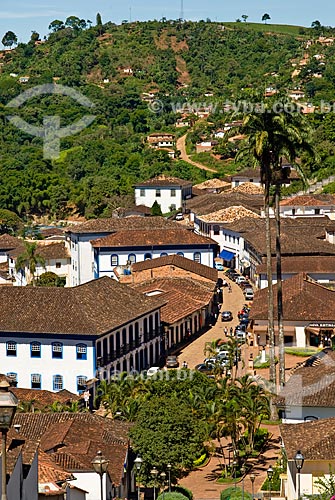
113,66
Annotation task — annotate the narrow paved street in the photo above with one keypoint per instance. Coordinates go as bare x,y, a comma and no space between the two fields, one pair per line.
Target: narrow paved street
202,481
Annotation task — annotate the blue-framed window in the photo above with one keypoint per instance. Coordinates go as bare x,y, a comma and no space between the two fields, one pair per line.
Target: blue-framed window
180,253
81,383
57,350
163,254
132,258
11,348
35,349
57,382
114,260
36,381
197,257
12,376
147,256
81,351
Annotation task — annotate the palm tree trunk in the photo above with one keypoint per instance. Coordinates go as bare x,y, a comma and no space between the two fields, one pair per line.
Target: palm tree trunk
272,374
279,290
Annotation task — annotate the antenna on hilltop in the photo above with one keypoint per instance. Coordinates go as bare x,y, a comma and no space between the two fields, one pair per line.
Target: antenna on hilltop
182,10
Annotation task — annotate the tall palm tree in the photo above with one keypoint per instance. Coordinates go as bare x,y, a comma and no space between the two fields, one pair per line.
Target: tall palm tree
272,134
29,258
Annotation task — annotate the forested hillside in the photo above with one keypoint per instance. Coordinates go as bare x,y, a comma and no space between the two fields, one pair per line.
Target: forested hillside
115,67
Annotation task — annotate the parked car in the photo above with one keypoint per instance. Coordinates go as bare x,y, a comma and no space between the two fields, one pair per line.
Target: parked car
249,294
205,368
179,216
240,279
172,362
151,372
219,266
226,316
241,337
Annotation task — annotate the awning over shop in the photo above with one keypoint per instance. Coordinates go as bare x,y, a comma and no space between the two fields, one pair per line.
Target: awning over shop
224,254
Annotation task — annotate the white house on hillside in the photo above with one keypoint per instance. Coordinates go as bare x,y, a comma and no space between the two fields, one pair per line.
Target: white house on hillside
169,192
56,338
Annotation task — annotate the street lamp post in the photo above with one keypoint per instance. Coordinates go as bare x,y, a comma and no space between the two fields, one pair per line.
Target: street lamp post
138,464
100,464
8,405
169,467
242,472
163,477
234,465
270,476
154,474
299,462
252,479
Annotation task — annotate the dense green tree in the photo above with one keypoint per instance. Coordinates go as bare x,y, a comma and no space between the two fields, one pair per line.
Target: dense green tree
265,17
29,258
10,222
9,39
156,209
56,25
50,279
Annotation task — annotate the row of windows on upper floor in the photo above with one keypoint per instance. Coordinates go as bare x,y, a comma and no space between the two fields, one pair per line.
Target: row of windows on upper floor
227,237
57,381
148,256
36,350
158,192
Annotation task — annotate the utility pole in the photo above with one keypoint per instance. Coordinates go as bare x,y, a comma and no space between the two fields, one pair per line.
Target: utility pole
182,10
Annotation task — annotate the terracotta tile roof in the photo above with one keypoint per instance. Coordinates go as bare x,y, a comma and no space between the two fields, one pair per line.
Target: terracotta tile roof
115,224
8,242
152,238
303,300
309,200
302,264
298,236
312,384
163,180
208,203
229,214
91,309
18,443
49,471
54,251
52,231
212,184
177,261
316,440
42,398
184,296
248,172
73,439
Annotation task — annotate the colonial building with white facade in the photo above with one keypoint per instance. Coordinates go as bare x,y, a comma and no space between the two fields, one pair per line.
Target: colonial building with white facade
91,259
55,338
308,206
127,247
170,193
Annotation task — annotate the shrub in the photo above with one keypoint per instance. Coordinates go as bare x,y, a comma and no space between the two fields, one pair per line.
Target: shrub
234,494
174,495
200,461
184,491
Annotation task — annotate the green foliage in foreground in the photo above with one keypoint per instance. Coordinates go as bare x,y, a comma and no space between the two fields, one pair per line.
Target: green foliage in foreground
234,494
174,495
183,490
302,351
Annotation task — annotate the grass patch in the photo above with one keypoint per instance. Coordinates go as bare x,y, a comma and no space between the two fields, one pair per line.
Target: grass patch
285,29
304,352
209,160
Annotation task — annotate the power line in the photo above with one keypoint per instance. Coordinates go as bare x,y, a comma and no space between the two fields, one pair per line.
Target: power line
182,10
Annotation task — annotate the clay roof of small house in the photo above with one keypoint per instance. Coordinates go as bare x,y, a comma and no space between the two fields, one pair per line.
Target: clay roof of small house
316,440
72,439
312,384
184,296
177,261
152,238
54,251
42,398
93,308
164,180
230,214
115,224
303,300
8,242
210,202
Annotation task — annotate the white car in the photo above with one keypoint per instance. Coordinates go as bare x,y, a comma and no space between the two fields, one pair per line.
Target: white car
151,372
179,216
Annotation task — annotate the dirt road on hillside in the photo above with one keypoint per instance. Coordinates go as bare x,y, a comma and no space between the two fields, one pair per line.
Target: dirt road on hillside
183,155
